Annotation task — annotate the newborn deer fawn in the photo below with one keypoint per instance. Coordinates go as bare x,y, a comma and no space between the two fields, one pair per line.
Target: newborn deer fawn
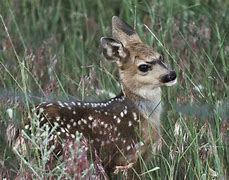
123,129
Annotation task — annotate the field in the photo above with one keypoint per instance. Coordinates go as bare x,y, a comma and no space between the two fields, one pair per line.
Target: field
50,50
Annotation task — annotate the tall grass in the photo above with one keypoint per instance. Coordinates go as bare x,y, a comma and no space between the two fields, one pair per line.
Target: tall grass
50,49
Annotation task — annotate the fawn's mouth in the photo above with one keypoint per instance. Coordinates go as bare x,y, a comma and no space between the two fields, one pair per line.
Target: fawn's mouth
169,79
171,83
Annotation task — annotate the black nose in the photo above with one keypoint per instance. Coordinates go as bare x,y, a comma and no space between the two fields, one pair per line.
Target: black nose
169,77
172,76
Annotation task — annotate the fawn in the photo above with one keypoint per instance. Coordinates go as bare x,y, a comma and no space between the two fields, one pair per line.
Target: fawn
121,129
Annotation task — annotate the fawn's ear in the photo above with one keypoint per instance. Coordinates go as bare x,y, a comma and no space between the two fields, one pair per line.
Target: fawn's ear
113,49
124,32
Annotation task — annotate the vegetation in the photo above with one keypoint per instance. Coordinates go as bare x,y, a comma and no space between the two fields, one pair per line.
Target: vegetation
50,50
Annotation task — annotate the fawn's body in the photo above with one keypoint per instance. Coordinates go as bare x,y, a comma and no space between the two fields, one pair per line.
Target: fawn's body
123,128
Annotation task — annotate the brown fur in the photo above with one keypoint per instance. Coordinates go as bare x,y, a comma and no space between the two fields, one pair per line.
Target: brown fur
123,128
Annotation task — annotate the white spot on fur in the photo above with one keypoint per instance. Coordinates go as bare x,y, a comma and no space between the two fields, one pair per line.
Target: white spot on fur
118,120
94,124
66,130
60,104
41,110
42,119
135,116
84,121
58,118
90,118
97,111
62,130
68,126
51,138
50,104
55,124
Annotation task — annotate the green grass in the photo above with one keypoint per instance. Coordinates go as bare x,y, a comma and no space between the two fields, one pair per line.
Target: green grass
50,49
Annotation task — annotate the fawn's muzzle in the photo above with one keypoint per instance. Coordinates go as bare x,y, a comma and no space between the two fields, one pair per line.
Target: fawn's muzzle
169,78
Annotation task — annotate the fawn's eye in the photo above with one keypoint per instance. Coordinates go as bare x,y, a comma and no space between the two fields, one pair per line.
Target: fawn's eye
144,68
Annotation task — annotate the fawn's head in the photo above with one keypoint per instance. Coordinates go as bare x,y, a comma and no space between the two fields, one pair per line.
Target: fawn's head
141,68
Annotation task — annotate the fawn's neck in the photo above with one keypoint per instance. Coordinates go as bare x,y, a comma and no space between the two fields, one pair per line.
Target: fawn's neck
149,104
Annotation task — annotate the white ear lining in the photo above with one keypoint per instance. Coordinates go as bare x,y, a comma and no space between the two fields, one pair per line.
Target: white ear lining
113,49
120,49
116,44
122,53
109,50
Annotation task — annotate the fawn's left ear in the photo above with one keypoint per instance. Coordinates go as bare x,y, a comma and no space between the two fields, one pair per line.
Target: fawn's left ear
124,32
113,49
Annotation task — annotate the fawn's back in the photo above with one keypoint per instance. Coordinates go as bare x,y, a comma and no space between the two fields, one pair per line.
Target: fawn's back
122,128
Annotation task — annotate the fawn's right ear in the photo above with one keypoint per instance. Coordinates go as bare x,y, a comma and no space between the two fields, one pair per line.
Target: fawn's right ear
113,49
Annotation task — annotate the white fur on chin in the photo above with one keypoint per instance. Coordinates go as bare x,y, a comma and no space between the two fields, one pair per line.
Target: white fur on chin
171,83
